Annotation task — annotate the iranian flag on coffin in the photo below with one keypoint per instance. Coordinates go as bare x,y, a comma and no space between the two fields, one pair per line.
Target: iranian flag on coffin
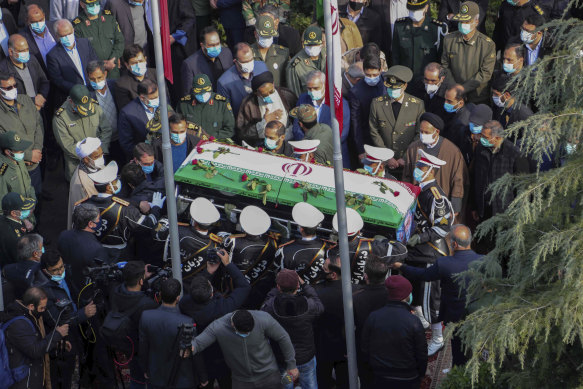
283,180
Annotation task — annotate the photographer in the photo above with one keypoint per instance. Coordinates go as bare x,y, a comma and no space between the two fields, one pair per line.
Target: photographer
204,306
129,300
23,274
160,342
62,309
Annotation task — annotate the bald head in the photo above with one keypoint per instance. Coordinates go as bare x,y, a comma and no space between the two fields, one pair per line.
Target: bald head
34,13
462,236
17,41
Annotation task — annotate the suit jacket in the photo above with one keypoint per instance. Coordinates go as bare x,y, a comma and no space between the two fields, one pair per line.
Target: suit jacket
360,97
127,87
112,86
197,63
121,9
231,86
33,47
369,24
131,125
39,79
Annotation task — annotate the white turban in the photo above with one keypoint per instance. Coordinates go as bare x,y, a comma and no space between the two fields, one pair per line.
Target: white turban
86,147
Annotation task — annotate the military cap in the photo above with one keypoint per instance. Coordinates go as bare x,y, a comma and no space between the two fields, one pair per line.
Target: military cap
354,222
13,201
86,147
305,113
306,215
312,36
12,141
432,119
378,154
429,160
90,2
265,26
415,5
106,175
254,220
203,211
304,146
201,83
397,76
467,13
81,96
479,114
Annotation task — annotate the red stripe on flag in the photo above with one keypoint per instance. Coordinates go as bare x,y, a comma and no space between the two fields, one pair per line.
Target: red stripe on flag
338,106
165,33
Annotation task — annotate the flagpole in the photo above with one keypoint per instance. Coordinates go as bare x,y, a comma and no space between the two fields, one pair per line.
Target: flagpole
330,18
166,151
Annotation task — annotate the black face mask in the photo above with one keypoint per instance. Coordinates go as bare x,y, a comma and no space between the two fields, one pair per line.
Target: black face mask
36,313
355,6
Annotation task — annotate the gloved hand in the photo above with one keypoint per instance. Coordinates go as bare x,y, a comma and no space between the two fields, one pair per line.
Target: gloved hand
414,240
157,200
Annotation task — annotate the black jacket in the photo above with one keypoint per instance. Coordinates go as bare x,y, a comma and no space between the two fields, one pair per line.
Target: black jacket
514,114
22,275
126,87
37,74
369,25
198,63
365,300
10,232
455,125
33,47
393,342
296,314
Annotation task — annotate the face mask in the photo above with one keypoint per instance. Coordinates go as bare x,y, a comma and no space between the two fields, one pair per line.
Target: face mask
247,67
38,27
570,148
372,81
316,95
449,108
410,299
497,101
394,93
418,175
368,168
23,57
98,85
68,40
485,142
153,103
268,100
116,191
512,2
178,138
355,6
18,156
313,51
427,139
526,37
265,42
24,214
139,69
508,67
431,88
135,3
416,16
203,97
42,250
97,226
58,278
242,335
99,162
475,129
93,9
9,94
148,169
464,28
270,144
213,52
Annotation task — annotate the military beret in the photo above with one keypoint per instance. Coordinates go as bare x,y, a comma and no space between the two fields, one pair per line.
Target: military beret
260,79
432,119
312,36
265,26
467,13
397,76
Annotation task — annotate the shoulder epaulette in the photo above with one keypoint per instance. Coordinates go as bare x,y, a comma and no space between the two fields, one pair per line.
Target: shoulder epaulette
286,243
59,111
380,98
413,100
488,39
280,47
95,101
81,201
107,12
367,239
120,201
193,126
186,98
235,236
3,168
220,97
182,224
296,61
436,193
76,21
539,10
215,238
435,21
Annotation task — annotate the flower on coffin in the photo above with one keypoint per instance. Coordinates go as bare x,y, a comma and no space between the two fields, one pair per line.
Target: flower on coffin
308,190
255,183
383,188
210,170
217,152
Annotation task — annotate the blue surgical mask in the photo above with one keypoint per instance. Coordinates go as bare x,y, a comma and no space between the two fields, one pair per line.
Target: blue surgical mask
508,68
38,27
149,169
68,40
372,81
270,144
418,174
135,3
18,156
485,142
449,108
242,335
512,2
410,300
93,9
394,93
97,225
268,100
475,129
316,95
178,138
42,250
368,168
23,57
464,28
214,51
570,148
139,69
24,214
153,103
203,97
98,85
58,278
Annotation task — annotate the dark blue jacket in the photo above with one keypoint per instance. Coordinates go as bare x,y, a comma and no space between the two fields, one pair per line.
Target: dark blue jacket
231,85
131,125
231,13
22,275
453,297
197,63
361,96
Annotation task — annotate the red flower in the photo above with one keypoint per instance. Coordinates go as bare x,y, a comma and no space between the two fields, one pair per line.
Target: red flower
195,161
260,149
396,193
244,177
296,185
199,150
212,138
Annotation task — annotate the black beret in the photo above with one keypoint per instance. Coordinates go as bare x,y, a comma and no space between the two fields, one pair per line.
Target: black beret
432,119
480,114
260,79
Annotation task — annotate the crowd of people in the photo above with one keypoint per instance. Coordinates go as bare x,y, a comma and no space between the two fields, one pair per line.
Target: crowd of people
425,101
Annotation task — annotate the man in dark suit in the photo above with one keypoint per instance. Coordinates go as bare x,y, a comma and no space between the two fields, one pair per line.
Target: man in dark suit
66,61
212,59
135,30
453,295
134,71
431,89
8,26
39,38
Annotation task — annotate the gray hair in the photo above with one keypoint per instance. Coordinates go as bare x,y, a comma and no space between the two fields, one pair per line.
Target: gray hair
59,22
435,67
83,214
316,73
94,65
455,238
355,70
27,245
496,127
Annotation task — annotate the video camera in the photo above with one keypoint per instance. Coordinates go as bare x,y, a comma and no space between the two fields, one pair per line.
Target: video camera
105,273
186,333
158,275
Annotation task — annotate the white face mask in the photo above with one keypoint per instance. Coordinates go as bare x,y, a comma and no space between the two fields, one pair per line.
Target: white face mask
247,67
526,37
431,88
99,162
497,102
265,42
426,139
9,94
417,16
313,51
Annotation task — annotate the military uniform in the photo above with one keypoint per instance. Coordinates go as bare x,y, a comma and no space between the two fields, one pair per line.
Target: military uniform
10,231
359,249
193,250
14,177
510,19
251,7
276,61
104,34
306,257
215,117
301,64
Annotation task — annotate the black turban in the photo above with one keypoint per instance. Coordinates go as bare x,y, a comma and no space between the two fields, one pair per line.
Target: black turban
432,119
260,79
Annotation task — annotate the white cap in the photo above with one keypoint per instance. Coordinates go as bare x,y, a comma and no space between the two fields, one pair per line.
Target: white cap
378,154
354,222
306,215
304,146
106,175
254,220
203,211
86,147
429,160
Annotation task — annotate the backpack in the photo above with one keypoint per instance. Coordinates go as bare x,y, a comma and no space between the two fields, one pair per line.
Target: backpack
8,376
115,330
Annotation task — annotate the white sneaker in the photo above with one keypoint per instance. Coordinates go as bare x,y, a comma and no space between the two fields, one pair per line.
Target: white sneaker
424,322
435,344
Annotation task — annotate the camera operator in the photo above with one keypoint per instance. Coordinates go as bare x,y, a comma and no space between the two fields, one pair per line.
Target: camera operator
23,274
62,308
129,300
27,340
159,343
204,306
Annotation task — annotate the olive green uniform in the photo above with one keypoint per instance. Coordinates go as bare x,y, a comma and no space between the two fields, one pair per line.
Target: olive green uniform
24,121
70,128
14,177
298,69
470,63
417,46
324,154
215,116
250,8
395,133
104,34
276,61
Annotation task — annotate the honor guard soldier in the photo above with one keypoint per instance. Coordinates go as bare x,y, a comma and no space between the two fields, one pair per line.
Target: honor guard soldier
374,161
253,252
15,209
311,58
359,248
207,109
393,119
119,219
306,255
434,217
419,38
102,30
305,150
274,56
14,175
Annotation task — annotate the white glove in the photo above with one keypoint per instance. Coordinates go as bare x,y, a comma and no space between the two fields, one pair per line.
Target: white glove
157,200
